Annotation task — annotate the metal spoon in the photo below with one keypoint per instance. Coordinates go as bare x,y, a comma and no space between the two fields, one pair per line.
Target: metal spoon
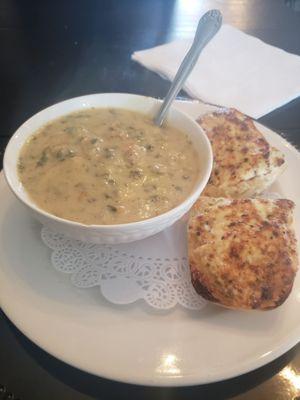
208,26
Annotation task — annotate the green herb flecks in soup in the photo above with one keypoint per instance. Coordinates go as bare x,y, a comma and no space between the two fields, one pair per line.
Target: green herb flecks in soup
107,166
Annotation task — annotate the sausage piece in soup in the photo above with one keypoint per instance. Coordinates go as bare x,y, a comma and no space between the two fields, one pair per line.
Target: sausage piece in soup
107,166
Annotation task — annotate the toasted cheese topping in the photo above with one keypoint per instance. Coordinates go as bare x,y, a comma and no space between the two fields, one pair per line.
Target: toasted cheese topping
243,252
244,162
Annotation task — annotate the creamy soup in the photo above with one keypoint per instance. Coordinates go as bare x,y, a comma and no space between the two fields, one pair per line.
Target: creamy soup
107,166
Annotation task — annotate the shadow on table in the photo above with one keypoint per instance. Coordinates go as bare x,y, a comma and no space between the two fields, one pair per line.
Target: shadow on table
96,387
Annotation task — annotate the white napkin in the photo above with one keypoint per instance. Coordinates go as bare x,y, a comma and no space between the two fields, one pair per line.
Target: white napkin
234,70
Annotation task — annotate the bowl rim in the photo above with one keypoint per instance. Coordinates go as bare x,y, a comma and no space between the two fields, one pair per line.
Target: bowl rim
152,220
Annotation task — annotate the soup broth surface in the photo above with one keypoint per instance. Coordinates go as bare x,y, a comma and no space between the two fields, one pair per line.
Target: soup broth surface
107,166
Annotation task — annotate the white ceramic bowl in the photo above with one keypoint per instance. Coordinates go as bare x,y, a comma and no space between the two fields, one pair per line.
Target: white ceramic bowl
121,233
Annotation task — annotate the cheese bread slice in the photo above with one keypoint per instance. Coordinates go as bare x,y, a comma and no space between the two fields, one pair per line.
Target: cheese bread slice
242,252
244,162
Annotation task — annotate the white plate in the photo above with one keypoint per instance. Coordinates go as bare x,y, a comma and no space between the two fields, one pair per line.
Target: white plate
134,343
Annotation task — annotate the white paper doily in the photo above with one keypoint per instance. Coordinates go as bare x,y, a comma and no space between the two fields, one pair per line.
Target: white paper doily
154,269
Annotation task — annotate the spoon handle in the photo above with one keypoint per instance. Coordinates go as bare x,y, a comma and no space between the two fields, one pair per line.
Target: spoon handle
208,26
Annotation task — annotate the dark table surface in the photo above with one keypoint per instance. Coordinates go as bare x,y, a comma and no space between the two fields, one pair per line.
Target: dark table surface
52,50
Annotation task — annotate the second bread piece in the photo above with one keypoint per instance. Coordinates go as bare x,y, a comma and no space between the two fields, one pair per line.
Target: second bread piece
242,253
244,162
